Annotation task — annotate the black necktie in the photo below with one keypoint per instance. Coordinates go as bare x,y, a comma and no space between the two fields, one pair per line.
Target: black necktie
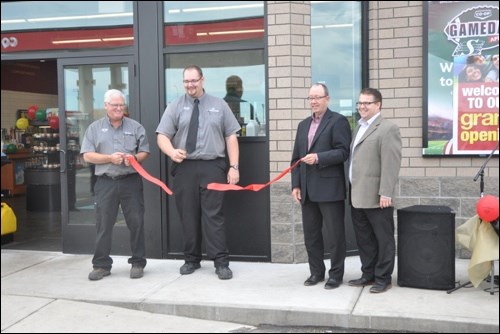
193,128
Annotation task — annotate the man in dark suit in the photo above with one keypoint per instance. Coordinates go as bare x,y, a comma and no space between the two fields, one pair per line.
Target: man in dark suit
373,173
319,185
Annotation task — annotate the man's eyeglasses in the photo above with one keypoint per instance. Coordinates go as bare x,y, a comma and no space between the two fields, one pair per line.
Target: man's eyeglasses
187,82
365,104
117,105
315,98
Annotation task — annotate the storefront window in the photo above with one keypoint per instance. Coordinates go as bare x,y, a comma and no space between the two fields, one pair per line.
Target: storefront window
199,22
49,25
236,76
336,52
231,73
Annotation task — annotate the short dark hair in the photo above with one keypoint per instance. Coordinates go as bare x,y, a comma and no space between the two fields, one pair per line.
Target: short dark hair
234,84
195,67
373,92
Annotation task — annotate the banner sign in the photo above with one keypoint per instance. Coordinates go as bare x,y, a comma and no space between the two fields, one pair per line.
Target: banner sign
461,97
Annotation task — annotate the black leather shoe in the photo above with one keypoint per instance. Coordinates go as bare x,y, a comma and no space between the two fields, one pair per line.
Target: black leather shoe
332,283
313,280
189,268
380,287
361,282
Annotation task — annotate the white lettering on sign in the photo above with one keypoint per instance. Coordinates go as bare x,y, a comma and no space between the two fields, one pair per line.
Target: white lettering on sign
9,42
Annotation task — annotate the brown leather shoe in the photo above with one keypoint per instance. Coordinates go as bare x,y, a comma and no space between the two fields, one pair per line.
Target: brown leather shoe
380,287
313,280
361,282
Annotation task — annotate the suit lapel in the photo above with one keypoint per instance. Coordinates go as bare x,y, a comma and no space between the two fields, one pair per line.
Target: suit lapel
305,132
371,129
355,133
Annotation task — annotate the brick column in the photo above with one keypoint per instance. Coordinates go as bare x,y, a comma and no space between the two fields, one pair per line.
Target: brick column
289,59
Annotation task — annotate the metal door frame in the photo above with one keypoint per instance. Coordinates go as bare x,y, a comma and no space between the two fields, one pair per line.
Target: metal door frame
80,238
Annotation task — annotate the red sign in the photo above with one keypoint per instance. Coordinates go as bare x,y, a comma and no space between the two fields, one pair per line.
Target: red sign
214,32
67,39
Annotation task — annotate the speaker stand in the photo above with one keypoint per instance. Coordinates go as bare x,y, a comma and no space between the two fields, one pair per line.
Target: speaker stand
492,289
459,287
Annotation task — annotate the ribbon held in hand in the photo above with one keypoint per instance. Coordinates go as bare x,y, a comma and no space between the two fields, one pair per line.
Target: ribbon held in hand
142,172
252,187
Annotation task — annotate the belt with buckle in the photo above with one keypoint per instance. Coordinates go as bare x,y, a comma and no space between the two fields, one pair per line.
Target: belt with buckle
117,177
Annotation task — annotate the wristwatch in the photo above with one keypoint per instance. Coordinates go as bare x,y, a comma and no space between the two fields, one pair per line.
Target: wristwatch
236,167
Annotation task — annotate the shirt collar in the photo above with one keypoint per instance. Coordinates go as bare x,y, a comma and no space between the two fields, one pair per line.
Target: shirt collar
111,123
362,122
317,118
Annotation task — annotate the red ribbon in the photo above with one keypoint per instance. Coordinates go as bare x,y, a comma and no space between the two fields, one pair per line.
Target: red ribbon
142,172
252,187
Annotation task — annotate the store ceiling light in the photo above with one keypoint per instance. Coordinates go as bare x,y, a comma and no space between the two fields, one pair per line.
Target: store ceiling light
72,41
206,9
13,21
229,32
79,17
114,39
94,40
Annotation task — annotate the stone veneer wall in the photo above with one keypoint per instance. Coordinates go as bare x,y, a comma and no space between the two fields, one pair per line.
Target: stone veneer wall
396,69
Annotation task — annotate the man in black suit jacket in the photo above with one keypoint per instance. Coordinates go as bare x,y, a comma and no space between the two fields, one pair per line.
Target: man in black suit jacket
319,185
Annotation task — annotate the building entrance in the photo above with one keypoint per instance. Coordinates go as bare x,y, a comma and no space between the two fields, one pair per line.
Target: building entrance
26,84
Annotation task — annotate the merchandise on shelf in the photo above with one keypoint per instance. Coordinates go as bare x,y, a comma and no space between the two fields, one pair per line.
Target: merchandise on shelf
45,148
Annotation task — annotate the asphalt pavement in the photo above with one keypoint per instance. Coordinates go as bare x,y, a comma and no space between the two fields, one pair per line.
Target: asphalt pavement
50,292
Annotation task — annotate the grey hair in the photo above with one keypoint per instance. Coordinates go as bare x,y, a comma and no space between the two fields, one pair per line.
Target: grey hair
324,87
113,92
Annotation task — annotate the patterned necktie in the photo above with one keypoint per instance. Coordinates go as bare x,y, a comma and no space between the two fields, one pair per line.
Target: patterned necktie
193,128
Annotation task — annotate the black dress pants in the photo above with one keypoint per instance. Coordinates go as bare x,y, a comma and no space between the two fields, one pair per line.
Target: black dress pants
374,230
315,215
110,194
201,210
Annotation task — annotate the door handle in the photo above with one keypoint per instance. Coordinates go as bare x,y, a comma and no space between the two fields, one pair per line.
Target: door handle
62,159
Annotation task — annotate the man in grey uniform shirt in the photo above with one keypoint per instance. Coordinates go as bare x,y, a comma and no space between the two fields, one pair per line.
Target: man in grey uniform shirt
108,143
204,163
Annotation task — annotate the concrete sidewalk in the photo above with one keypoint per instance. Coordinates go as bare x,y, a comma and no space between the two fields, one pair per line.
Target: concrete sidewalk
50,292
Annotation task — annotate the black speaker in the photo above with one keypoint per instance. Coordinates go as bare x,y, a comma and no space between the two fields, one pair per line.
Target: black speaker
426,247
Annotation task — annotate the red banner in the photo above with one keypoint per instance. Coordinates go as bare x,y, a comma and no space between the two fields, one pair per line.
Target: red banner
210,186
142,172
252,187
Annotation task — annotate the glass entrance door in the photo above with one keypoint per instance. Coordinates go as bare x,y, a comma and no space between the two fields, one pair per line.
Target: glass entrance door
81,101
